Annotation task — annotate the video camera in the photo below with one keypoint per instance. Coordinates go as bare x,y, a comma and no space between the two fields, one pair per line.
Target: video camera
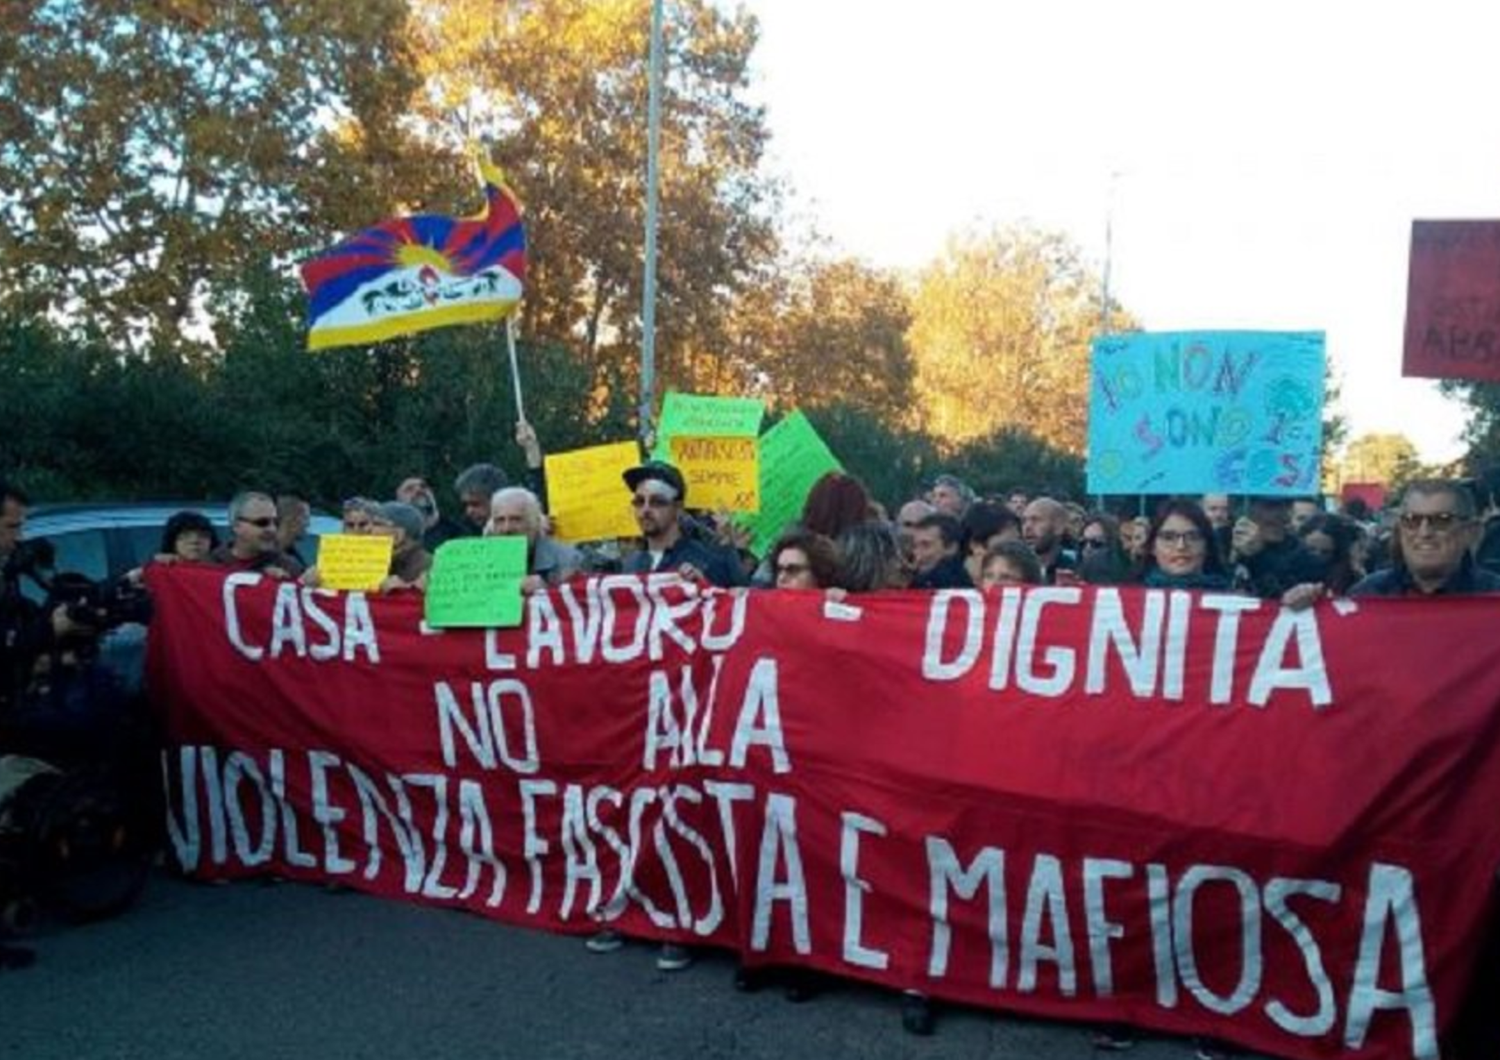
96,606
100,606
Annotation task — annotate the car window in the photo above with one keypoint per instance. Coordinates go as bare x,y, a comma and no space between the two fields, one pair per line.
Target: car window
141,543
307,548
83,552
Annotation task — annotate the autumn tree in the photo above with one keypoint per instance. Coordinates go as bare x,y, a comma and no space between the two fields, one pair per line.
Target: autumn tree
151,151
1000,334
560,88
821,332
1390,459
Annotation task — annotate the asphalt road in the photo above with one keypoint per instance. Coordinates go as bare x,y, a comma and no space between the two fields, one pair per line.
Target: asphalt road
265,971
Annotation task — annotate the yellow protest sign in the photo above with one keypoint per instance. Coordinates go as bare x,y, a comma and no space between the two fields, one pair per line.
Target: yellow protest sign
720,472
354,561
586,494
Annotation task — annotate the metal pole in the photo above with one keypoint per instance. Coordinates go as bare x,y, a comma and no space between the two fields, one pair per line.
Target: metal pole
648,291
1109,243
515,371
1109,247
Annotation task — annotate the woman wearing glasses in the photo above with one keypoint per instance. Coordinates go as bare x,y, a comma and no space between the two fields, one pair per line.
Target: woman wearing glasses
1180,552
804,560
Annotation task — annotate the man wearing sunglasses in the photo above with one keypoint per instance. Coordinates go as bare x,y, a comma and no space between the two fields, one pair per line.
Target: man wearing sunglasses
253,543
658,494
1435,533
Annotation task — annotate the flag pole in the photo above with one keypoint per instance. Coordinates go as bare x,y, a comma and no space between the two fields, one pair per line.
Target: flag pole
648,295
515,371
1109,246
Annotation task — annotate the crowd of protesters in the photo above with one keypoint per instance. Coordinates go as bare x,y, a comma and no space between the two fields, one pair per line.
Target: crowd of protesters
1294,550
1442,538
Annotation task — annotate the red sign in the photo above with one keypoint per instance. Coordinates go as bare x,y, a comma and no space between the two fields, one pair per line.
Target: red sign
1198,813
1372,493
1453,301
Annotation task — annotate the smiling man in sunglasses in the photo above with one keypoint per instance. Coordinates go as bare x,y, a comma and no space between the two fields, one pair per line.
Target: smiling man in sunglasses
253,543
1435,534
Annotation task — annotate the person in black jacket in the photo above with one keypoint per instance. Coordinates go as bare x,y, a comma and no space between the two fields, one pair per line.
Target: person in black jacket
1268,558
658,495
1432,551
935,554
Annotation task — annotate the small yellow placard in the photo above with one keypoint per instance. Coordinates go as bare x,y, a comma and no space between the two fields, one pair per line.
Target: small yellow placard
586,493
721,472
354,561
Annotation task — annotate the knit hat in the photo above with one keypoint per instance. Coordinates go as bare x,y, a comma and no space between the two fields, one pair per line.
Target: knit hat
406,517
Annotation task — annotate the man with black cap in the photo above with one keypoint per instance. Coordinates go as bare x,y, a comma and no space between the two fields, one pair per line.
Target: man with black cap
658,494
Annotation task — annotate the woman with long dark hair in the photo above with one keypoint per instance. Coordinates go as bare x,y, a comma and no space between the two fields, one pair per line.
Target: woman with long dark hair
1332,540
1180,551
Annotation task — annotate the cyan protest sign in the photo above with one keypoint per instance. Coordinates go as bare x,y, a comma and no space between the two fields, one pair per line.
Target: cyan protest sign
1206,412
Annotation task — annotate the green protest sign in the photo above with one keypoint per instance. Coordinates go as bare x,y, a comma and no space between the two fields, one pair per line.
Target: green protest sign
476,581
703,416
792,458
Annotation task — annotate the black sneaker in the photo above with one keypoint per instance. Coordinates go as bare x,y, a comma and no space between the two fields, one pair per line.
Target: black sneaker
1213,1049
801,985
749,980
916,1014
1114,1038
14,958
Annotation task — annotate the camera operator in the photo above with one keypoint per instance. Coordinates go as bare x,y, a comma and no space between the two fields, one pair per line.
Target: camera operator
77,807
27,631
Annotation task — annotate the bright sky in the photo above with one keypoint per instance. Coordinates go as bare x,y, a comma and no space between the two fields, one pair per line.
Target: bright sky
1271,156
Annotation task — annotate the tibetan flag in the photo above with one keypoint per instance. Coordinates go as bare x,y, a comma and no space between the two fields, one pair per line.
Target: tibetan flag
410,274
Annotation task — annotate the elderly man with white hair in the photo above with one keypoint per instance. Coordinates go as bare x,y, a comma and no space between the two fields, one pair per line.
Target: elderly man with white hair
516,511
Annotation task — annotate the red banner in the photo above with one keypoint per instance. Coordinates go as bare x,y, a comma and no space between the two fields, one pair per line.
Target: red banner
1453,301
1198,813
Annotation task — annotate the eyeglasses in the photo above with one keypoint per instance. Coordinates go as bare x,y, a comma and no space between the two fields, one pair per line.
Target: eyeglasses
1440,522
1180,538
792,570
653,501
263,522
1094,542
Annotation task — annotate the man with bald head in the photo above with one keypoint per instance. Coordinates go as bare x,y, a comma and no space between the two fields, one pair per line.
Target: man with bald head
910,514
1217,507
516,511
1043,524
